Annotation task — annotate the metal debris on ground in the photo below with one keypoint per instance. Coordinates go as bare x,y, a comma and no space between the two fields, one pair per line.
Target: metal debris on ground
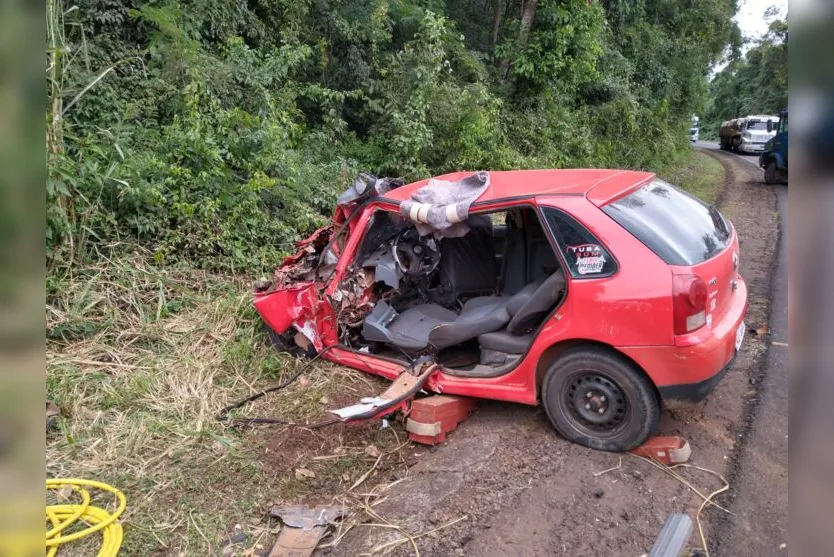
396,397
708,499
304,528
673,537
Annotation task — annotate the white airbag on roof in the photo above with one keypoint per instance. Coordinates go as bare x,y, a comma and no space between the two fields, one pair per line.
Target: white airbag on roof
442,206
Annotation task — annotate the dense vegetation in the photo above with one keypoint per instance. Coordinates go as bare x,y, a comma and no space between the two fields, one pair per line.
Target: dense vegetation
214,131
753,83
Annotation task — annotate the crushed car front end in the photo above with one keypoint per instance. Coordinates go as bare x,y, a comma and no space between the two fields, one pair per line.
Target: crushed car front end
294,303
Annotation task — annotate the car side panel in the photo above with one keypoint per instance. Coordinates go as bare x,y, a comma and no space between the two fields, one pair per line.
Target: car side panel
631,308
704,356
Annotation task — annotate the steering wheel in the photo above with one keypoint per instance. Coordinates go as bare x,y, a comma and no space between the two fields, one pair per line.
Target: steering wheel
415,255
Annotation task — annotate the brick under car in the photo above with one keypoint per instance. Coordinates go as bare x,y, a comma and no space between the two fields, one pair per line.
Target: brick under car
596,293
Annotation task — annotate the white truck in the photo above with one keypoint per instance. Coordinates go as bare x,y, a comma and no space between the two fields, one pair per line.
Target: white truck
694,129
748,134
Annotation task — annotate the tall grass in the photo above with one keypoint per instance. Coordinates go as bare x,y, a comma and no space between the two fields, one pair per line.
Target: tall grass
140,359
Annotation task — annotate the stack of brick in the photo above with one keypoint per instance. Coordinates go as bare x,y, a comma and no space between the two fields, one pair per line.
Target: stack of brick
431,418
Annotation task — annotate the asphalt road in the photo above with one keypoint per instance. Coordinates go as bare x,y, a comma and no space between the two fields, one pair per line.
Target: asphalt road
751,159
760,526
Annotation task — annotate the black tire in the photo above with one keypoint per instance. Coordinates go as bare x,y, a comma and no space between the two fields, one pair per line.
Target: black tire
583,381
770,173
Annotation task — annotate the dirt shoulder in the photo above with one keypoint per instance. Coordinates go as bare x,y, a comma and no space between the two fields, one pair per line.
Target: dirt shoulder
759,469
526,491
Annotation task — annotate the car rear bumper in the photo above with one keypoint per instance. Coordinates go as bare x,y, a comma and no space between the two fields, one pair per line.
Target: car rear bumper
695,392
752,147
698,362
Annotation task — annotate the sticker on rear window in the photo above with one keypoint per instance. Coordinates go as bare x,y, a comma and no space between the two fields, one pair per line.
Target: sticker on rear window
590,258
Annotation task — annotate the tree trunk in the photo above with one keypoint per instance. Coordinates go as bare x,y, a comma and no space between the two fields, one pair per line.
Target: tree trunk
528,15
497,12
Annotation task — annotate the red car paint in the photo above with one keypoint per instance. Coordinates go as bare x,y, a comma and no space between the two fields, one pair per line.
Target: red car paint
630,311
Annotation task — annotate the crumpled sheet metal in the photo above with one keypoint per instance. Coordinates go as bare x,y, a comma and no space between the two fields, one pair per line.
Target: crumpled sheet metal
365,181
304,517
353,297
304,528
314,243
305,265
299,306
293,298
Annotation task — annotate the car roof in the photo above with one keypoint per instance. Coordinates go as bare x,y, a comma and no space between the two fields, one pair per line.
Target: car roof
600,186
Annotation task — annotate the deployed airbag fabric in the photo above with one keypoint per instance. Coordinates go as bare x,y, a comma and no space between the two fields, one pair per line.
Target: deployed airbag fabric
442,206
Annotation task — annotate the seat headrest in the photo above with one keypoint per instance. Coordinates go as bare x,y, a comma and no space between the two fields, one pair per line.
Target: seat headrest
535,306
479,221
523,296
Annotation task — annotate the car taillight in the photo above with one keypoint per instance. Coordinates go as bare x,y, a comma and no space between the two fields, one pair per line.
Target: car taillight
689,303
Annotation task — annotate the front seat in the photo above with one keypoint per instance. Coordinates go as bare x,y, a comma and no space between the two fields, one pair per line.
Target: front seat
467,264
431,325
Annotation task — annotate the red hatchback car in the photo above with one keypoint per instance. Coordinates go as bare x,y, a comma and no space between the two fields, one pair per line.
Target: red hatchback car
597,293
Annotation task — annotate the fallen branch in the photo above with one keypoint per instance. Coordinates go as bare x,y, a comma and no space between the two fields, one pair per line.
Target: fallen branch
407,536
394,543
364,476
707,499
704,503
617,467
669,470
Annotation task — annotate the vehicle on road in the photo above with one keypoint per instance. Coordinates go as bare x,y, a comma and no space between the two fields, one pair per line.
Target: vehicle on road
694,129
746,135
595,293
774,158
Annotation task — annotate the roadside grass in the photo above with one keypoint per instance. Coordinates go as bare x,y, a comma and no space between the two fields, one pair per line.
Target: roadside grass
140,360
699,174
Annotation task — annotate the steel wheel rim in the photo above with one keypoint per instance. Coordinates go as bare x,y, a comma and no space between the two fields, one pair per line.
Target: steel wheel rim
595,404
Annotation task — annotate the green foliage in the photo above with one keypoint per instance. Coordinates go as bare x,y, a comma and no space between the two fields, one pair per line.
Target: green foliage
216,132
562,50
698,173
756,83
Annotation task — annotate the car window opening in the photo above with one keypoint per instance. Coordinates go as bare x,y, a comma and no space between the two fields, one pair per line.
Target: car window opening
474,301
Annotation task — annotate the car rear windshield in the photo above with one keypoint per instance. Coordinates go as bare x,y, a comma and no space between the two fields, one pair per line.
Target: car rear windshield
679,228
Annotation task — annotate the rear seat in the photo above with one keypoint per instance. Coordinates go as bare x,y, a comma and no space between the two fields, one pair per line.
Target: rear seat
503,341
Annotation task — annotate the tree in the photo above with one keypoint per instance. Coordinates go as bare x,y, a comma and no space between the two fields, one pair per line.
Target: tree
234,124
756,83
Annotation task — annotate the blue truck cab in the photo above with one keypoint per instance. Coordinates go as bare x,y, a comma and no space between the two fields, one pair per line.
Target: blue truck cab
774,158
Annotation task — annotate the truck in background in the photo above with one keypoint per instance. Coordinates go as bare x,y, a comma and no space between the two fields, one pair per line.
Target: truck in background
746,135
774,158
694,129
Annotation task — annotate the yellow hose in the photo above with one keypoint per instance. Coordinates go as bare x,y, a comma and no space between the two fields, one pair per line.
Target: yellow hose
62,517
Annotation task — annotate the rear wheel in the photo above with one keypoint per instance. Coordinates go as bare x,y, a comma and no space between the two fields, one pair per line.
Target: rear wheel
600,400
770,173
